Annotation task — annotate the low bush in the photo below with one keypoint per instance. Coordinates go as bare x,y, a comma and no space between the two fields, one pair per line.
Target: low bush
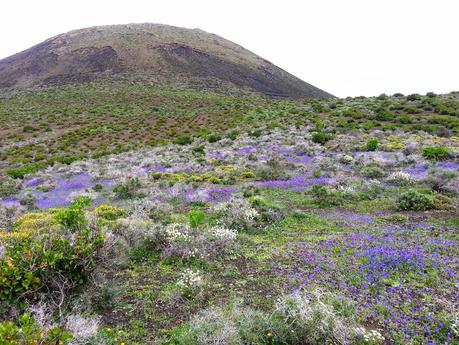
27,331
321,137
199,149
196,218
443,202
183,140
48,252
312,318
385,115
438,179
436,153
412,200
213,138
400,178
372,144
109,212
325,197
23,170
373,171
8,187
128,189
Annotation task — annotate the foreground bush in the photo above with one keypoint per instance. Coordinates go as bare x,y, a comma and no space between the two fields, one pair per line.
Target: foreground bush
27,331
413,200
313,318
52,251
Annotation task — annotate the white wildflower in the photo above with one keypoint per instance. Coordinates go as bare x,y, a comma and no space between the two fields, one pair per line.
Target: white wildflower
178,232
401,178
223,233
369,335
346,159
190,279
250,215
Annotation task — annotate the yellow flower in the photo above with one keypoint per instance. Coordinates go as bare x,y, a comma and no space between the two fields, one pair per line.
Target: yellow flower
269,334
108,329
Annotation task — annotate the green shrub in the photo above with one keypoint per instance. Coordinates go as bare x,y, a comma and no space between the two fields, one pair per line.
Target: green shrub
411,109
385,115
436,153
442,202
98,187
233,134
196,218
109,212
321,137
372,144
213,138
48,250
28,129
27,331
21,171
373,171
28,201
73,217
326,198
183,140
413,97
199,149
128,189
255,133
406,119
368,125
412,200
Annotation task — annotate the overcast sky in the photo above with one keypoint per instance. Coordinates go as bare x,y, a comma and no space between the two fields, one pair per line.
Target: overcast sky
346,47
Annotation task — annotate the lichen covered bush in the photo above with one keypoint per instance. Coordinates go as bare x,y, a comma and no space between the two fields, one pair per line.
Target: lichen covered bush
312,318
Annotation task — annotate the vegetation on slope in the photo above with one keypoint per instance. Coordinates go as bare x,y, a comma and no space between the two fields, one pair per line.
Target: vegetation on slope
268,222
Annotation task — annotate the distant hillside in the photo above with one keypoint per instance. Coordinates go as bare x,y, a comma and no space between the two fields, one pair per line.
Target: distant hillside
151,53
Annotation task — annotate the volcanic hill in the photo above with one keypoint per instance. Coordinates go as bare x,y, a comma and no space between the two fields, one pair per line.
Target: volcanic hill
151,53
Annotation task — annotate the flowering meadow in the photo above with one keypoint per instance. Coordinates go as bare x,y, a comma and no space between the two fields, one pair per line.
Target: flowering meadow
265,222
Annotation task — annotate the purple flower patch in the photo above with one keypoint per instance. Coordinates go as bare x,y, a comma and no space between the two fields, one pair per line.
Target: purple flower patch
382,272
217,195
305,160
34,182
248,150
217,155
448,165
160,168
10,201
418,170
59,195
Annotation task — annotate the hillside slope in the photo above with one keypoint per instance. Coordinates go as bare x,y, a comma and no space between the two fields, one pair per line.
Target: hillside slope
150,53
